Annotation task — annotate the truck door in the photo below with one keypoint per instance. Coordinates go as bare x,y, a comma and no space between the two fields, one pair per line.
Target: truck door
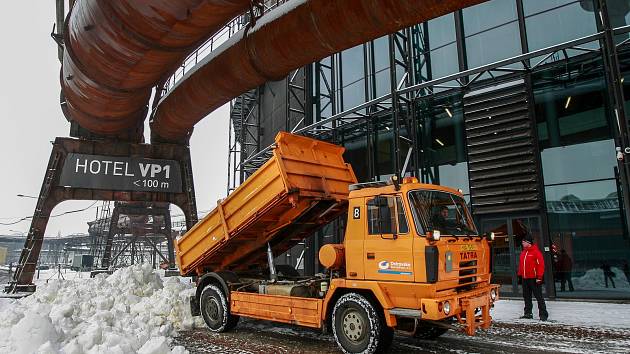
388,242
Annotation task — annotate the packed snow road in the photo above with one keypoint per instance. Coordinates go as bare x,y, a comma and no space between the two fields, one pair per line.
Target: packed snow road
265,337
576,327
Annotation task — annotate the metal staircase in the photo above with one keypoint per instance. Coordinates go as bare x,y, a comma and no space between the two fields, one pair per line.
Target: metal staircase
30,253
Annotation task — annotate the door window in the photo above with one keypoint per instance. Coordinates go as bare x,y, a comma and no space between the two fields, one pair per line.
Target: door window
506,249
386,215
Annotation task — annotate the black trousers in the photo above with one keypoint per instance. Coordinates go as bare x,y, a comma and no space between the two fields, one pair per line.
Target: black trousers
529,287
564,278
609,276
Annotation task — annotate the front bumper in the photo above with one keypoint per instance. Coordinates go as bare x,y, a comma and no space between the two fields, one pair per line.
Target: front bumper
471,309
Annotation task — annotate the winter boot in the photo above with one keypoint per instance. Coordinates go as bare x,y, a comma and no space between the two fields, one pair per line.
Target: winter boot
528,316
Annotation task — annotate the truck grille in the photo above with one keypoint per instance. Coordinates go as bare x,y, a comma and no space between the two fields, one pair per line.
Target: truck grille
467,275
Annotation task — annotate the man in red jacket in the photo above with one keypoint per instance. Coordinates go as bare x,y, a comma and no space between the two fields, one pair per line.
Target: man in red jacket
531,268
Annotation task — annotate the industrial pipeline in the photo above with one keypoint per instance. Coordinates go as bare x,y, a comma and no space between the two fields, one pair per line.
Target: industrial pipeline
116,51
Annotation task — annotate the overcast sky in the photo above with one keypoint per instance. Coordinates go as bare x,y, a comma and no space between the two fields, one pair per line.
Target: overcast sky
31,118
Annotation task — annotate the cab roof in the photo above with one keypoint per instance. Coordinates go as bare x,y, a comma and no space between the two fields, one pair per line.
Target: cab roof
382,187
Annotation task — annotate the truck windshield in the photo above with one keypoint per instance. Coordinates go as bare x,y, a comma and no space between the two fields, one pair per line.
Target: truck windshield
442,211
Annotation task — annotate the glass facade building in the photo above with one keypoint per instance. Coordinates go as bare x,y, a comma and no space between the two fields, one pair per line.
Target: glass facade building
511,101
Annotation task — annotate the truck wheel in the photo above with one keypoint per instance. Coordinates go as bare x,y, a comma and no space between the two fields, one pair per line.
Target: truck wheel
358,326
429,331
215,310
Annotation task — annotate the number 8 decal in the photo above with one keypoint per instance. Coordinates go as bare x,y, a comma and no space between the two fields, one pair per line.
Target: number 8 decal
357,213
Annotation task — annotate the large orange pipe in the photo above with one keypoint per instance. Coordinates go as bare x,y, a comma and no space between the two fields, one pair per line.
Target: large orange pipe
290,36
117,50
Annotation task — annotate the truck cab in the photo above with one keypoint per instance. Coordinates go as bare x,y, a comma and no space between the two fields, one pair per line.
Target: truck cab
416,249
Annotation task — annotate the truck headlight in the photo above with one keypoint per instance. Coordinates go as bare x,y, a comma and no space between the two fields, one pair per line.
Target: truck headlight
447,307
493,294
435,235
491,236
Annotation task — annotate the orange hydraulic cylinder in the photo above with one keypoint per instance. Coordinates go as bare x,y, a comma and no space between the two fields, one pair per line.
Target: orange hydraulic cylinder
288,37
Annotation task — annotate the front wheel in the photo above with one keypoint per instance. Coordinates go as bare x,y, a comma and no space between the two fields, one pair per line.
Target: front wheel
215,310
358,326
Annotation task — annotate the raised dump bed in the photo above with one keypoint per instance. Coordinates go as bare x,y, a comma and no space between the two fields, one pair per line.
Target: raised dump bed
300,189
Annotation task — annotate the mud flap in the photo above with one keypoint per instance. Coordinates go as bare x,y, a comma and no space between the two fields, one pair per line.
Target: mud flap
194,306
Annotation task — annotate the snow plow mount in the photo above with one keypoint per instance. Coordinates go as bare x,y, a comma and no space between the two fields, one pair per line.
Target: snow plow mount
476,311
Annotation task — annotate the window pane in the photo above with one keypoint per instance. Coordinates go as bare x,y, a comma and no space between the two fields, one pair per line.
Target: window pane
354,94
444,61
445,136
551,22
403,228
373,226
381,219
356,152
434,210
442,45
352,65
619,12
381,53
381,66
455,176
441,31
569,111
585,223
582,162
491,31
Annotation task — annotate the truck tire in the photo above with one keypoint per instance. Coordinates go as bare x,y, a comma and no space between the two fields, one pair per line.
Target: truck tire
215,310
429,331
359,327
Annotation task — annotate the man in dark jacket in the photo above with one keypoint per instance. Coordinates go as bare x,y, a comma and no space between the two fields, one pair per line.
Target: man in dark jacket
565,266
531,268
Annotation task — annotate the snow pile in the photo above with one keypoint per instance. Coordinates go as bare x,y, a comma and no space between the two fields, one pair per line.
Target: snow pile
132,310
594,279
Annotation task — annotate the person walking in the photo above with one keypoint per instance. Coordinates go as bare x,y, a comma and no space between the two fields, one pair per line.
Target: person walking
565,266
531,268
608,273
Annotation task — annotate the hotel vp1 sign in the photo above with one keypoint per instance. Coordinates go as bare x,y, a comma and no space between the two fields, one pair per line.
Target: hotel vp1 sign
121,173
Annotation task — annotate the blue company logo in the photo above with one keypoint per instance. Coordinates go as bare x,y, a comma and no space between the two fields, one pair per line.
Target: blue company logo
399,268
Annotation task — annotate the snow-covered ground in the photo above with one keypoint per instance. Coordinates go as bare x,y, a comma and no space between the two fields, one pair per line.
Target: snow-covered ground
133,310
570,313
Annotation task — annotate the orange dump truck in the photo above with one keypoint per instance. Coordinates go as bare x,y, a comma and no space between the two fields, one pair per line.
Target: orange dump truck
411,260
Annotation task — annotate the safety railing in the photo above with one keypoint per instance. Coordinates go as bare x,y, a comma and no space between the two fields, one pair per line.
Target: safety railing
225,33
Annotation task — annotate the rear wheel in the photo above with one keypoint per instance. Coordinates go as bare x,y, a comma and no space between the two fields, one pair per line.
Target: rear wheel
359,327
215,310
